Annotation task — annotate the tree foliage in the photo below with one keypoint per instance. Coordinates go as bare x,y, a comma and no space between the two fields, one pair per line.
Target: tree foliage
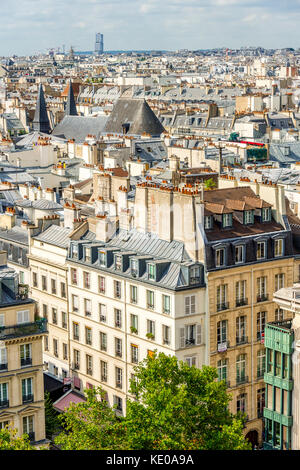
51,417
10,441
209,183
175,407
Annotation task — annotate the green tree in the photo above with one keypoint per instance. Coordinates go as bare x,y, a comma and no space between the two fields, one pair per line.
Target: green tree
209,183
10,441
51,417
91,425
181,408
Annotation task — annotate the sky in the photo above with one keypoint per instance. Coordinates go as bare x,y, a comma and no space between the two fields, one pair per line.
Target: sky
32,26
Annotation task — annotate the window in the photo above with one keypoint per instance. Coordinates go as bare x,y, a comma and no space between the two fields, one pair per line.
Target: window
65,351
2,319
190,335
166,304
118,318
262,289
261,250
248,217
87,254
134,323
23,316
102,313
240,293
54,316
261,363
21,277
103,371
239,254
55,347
118,347
75,304
46,344
34,279
63,290
222,335
3,358
241,369
119,377
278,363
76,359
166,334
133,294
270,360
265,214
28,427
260,325
208,222
220,257
89,364
227,220
102,258
53,286
45,311
4,424
103,341
87,307
279,314
222,368
241,403
222,303
150,329
101,284
26,354
134,267
279,281
278,247
4,403
190,305
151,272
75,331
150,299
27,394
88,336
86,280
74,276
117,289
134,353
191,361
260,402
118,262
44,283
241,330
118,403
64,320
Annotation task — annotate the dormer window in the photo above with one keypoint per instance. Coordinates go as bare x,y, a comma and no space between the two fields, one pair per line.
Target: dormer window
118,263
248,217
208,222
239,254
278,249
74,251
261,250
87,254
194,275
220,257
134,267
265,214
227,220
102,258
151,272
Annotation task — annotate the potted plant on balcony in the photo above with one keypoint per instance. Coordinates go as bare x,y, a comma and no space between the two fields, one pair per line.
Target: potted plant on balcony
150,335
133,329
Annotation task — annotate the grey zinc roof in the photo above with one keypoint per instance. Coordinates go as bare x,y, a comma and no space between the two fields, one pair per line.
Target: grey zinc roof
55,235
16,234
40,204
78,127
145,243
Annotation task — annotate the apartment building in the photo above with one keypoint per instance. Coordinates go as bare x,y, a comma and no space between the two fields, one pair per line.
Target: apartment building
129,297
249,255
21,361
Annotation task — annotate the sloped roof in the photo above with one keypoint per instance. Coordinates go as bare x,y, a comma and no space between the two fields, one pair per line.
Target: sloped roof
41,121
70,109
78,127
137,114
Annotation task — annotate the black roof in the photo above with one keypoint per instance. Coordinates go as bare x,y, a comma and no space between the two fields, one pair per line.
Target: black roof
41,121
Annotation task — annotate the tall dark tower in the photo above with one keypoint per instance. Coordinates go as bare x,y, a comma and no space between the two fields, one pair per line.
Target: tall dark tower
41,121
99,47
70,109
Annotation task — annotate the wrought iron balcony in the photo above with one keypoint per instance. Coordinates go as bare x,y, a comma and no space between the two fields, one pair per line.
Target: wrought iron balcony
241,340
262,297
3,366
26,361
189,341
223,346
241,302
27,398
4,403
24,329
241,379
222,306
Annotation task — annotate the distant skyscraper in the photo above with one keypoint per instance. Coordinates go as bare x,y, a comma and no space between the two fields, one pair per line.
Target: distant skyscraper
99,43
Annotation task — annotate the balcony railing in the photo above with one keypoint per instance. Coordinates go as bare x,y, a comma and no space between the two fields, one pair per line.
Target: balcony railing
222,306
260,374
189,341
241,379
27,398
262,297
241,340
4,403
26,361
241,302
24,329
3,366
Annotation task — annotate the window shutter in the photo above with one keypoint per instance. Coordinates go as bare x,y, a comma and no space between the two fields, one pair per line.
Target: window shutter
193,360
76,382
187,305
198,334
193,303
182,337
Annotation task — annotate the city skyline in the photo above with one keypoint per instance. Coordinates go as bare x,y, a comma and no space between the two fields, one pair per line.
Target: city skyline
147,25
